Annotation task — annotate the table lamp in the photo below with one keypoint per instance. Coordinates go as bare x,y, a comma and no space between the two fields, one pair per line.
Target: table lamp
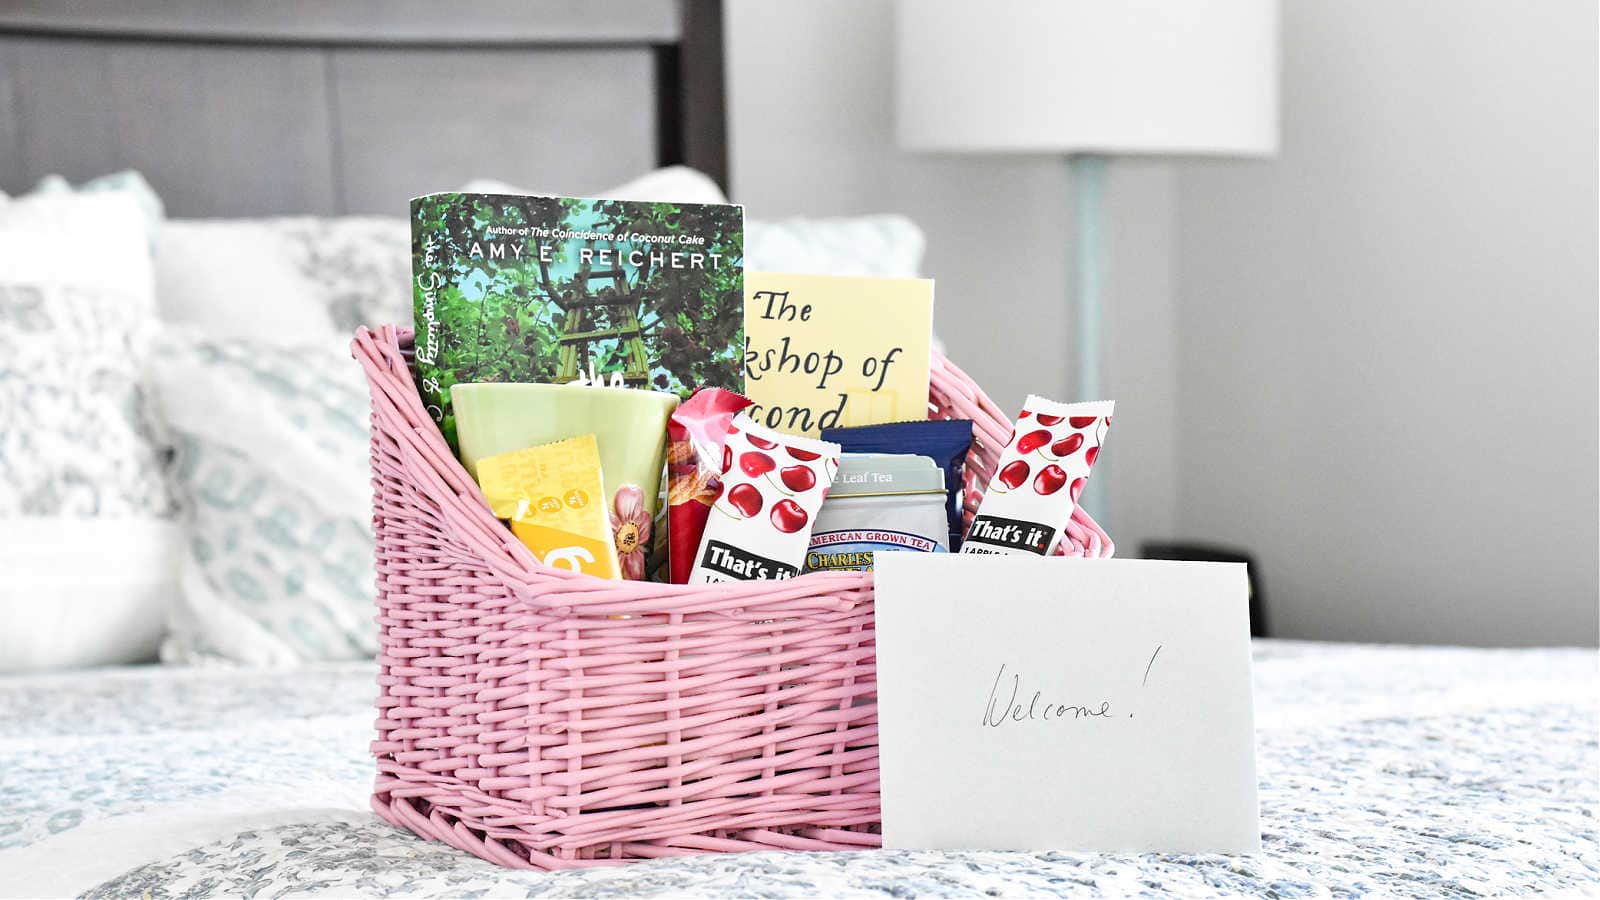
1088,80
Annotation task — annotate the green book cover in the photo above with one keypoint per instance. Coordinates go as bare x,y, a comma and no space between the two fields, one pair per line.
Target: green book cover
558,289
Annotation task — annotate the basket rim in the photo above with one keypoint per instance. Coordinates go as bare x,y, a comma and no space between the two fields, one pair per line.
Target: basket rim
383,354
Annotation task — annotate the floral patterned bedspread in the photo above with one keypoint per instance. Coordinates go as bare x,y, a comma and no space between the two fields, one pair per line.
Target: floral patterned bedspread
1384,770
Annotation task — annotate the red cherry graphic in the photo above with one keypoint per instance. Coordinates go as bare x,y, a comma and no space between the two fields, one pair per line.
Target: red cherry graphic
1067,445
798,478
755,464
1077,488
763,443
1090,455
1050,480
727,458
745,498
1032,441
788,517
1014,474
802,455
1049,420
1081,421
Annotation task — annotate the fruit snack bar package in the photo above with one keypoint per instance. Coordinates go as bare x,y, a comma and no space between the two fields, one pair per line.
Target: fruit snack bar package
1039,477
773,485
553,498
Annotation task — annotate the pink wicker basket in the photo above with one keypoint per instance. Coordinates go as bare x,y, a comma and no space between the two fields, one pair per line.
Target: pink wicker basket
542,719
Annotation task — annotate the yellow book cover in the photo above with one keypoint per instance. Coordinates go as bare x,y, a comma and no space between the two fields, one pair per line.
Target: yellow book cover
830,351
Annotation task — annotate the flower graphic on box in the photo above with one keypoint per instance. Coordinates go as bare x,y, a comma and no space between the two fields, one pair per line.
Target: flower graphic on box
630,530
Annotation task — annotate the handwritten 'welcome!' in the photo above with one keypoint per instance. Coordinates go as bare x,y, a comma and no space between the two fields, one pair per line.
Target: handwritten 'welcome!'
1039,707
824,351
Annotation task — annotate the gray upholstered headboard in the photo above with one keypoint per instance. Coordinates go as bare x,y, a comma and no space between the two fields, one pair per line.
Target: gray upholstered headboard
266,107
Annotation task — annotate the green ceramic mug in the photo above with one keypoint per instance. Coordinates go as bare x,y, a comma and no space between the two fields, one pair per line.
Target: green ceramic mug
630,425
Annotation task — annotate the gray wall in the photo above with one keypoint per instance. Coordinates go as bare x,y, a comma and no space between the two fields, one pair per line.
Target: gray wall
1387,337
1371,361
812,133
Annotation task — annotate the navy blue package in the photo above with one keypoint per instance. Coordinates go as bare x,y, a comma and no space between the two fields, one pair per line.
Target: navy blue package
945,441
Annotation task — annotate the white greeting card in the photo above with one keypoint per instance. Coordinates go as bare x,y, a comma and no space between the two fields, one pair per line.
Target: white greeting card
1065,704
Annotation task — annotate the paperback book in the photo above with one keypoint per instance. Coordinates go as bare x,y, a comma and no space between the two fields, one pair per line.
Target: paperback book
560,289
830,351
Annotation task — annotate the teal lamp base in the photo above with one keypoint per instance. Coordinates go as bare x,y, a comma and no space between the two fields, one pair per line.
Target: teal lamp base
1088,183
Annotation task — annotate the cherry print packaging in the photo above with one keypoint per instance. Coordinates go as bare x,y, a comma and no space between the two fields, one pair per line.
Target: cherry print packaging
1039,477
696,433
773,485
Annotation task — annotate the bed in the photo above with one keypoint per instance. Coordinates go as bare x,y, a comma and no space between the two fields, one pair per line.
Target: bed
1384,770
1394,771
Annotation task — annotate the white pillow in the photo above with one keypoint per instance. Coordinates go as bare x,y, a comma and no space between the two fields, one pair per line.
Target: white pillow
238,278
271,467
885,246
361,266
672,184
126,182
85,561
96,239
84,592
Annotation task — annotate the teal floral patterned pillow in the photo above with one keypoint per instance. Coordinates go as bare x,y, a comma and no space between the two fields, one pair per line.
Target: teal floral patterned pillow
270,466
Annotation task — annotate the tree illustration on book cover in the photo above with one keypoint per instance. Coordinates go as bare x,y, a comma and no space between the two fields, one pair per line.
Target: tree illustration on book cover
557,289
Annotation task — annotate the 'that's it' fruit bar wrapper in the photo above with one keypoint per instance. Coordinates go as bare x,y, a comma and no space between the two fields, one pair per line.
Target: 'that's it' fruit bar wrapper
1039,477
773,485
552,495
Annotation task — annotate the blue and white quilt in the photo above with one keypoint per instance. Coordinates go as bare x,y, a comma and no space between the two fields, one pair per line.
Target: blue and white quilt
1385,771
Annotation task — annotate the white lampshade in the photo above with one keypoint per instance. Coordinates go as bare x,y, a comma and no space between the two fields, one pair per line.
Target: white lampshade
1088,76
